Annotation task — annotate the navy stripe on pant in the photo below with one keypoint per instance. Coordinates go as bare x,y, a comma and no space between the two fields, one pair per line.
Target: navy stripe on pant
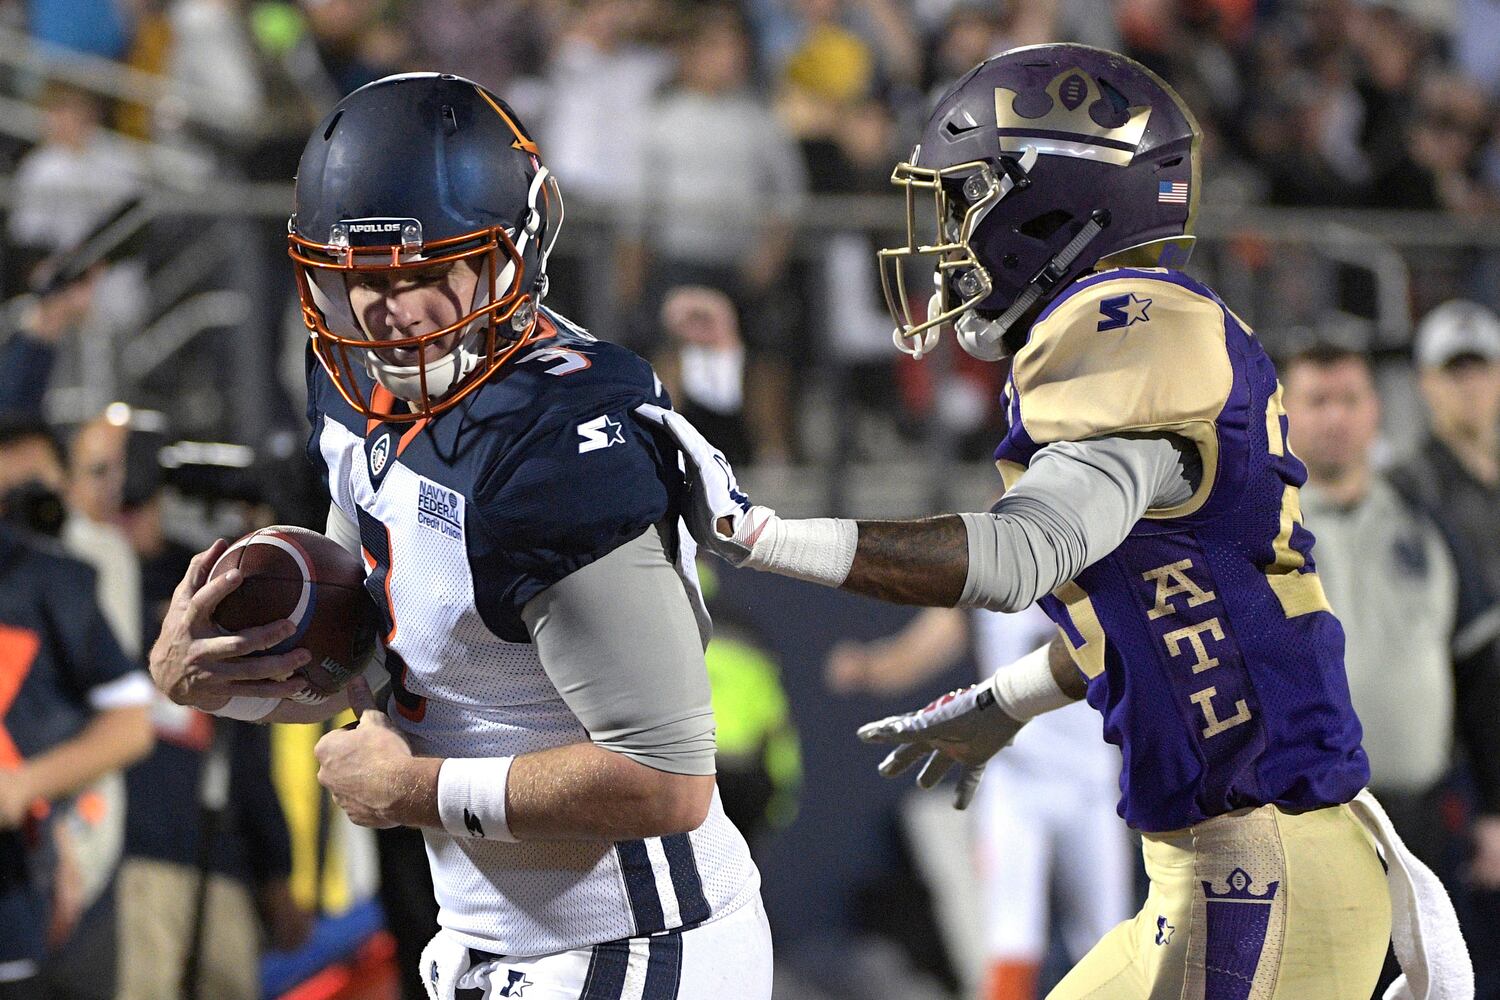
663,967
606,978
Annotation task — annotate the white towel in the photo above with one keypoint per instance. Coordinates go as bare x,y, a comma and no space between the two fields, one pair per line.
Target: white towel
1435,962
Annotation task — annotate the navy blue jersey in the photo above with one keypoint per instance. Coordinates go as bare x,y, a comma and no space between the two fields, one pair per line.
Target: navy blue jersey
538,473
55,647
463,519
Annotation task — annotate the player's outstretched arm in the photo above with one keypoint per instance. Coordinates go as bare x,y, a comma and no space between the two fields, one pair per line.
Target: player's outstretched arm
1075,503
911,562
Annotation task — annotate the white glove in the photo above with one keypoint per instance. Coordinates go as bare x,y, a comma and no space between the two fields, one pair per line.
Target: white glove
966,727
817,549
715,493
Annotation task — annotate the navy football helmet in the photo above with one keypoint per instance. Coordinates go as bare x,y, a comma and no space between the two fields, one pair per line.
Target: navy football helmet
1040,164
406,173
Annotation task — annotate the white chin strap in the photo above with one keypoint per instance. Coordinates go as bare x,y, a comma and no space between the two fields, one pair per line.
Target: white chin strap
930,336
983,338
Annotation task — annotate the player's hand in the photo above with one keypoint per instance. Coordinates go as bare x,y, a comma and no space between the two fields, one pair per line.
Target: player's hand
67,890
701,316
965,727
195,663
1485,868
719,515
16,798
367,766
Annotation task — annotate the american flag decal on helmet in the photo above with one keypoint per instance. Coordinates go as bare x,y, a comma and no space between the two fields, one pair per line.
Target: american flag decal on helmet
1171,193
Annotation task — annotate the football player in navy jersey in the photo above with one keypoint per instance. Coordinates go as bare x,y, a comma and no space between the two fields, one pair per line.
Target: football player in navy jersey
548,725
1152,511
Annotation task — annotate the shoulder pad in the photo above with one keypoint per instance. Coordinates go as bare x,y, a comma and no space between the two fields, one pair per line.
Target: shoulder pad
1130,349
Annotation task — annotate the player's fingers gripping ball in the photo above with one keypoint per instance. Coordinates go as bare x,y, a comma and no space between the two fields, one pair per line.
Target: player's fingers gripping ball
310,580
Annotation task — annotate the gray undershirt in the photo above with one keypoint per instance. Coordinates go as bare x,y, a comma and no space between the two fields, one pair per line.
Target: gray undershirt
619,641
1074,504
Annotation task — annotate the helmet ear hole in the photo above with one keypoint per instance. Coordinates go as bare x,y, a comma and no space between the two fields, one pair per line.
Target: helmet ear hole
1043,226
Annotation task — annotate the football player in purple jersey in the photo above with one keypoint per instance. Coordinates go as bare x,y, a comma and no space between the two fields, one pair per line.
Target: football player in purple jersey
1152,511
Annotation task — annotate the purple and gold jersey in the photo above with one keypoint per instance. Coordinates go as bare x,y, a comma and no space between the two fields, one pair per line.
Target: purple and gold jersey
1209,646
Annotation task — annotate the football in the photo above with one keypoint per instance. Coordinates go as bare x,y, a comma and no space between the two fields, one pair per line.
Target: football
303,575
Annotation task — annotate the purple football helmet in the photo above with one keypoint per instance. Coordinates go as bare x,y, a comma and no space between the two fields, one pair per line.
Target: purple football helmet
1042,164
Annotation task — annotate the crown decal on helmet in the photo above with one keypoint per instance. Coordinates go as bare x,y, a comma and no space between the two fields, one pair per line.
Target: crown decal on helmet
1072,117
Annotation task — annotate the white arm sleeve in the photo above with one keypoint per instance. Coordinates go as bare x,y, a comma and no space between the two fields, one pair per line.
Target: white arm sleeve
342,529
1074,504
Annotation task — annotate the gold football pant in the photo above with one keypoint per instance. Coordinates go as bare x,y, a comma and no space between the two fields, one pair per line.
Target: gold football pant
1254,905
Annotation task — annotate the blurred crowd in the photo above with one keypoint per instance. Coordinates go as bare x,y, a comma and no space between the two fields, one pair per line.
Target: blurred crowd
717,161
695,143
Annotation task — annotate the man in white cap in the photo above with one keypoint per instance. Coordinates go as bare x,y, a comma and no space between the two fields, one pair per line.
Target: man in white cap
1455,475
1457,468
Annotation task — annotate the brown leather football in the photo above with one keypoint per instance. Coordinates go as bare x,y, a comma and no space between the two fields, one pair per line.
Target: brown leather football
306,576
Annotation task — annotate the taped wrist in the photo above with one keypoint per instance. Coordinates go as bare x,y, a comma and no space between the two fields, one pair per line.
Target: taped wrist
246,709
818,549
471,797
1026,688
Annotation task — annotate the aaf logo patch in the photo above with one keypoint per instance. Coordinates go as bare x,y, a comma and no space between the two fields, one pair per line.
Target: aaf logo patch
379,455
1123,310
601,432
440,509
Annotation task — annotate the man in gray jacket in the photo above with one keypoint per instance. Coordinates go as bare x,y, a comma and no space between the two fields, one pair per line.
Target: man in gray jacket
1391,580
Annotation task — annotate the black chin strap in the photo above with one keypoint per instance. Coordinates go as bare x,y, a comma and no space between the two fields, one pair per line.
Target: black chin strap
1048,277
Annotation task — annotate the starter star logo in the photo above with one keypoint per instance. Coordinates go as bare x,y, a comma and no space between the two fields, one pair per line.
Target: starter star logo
601,432
1163,931
517,985
1123,310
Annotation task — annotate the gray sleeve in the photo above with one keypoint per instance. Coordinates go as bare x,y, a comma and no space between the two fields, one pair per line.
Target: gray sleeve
619,641
1074,504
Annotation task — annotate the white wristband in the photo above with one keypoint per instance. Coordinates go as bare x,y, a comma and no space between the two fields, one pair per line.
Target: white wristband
1026,688
818,549
246,709
471,797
